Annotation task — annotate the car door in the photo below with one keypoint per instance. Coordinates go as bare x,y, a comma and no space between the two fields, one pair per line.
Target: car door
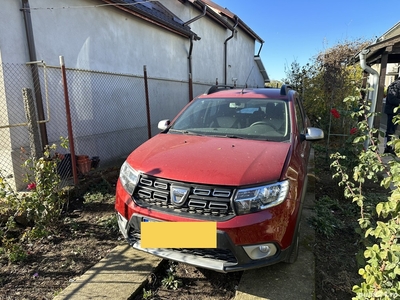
303,147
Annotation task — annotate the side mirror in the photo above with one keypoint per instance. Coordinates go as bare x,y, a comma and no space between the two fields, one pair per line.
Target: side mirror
162,125
313,134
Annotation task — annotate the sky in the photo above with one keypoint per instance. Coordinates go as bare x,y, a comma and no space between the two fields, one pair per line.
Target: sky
297,30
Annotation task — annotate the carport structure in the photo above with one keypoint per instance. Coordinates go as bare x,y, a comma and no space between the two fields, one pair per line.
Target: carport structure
384,56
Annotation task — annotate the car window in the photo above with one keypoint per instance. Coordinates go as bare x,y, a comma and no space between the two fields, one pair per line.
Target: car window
299,116
259,119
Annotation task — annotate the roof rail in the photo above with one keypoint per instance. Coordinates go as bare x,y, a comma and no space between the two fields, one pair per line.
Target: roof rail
216,88
285,89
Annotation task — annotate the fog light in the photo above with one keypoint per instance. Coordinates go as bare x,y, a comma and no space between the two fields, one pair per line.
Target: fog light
260,251
265,249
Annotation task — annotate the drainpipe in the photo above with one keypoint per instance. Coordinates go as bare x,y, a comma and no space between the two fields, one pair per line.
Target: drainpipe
190,70
375,83
259,50
190,51
198,17
226,50
35,72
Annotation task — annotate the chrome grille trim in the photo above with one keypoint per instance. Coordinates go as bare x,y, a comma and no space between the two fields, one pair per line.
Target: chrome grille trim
221,193
197,204
146,182
161,185
201,192
215,205
145,194
160,197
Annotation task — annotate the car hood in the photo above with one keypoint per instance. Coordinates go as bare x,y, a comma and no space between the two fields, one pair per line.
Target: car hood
210,160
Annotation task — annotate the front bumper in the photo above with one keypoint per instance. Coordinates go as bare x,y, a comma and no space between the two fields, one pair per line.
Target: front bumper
227,257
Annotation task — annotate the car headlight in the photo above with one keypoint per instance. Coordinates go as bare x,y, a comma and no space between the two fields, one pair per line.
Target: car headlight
129,177
258,198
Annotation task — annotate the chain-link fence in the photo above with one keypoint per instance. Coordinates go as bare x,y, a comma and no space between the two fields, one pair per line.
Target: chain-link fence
108,113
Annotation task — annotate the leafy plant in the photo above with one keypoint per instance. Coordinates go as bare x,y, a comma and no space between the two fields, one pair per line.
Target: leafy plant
170,282
39,207
44,202
15,252
109,222
380,228
100,192
147,295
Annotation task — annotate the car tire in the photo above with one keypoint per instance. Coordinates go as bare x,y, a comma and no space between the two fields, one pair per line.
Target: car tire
294,249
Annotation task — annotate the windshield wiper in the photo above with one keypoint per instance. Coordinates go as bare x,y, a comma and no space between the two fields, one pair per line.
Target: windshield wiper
231,136
183,131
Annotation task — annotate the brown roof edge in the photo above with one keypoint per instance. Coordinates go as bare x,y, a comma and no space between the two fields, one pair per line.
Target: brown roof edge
394,27
377,46
232,16
180,30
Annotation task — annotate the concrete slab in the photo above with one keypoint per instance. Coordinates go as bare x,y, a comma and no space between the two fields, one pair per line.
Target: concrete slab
117,276
287,281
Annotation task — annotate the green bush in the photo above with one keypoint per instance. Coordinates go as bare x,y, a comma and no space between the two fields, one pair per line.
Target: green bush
38,208
380,226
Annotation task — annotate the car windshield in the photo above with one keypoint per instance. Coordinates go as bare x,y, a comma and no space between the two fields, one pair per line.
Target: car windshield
256,119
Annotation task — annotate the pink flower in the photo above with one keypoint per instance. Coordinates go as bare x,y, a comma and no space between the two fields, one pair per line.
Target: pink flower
335,113
353,130
31,186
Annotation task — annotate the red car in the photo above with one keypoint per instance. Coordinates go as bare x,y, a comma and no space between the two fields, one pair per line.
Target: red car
237,157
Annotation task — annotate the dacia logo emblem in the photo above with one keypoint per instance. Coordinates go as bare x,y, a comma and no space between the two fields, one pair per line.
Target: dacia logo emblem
179,195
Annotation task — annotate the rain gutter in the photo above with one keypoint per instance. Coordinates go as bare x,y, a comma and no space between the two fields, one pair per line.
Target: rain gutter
226,50
372,95
191,50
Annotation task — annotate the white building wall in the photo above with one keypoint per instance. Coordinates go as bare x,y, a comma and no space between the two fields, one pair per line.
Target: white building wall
13,46
107,39
241,61
13,49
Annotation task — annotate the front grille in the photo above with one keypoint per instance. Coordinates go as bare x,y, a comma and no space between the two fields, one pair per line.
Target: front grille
197,201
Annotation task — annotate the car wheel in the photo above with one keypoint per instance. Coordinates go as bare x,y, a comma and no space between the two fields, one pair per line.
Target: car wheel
294,249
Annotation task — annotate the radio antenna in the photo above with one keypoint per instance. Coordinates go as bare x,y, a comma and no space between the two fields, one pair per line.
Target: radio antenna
248,76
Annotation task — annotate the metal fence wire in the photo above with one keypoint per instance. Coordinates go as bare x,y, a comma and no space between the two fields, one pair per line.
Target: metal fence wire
107,111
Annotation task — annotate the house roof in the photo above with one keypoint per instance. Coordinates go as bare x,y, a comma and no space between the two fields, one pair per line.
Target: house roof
395,30
261,67
227,13
156,13
389,42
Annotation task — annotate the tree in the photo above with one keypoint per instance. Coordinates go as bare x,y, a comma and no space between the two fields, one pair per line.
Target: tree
327,80
274,84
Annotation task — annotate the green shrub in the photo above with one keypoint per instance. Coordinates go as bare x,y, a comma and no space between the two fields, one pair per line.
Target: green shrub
380,226
38,208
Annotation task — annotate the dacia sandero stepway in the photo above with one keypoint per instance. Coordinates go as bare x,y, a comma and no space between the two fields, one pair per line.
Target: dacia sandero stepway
236,157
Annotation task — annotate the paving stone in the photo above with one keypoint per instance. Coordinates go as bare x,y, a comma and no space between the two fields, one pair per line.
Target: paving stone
123,272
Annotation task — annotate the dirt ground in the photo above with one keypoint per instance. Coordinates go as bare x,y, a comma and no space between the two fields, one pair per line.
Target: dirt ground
86,233
335,257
